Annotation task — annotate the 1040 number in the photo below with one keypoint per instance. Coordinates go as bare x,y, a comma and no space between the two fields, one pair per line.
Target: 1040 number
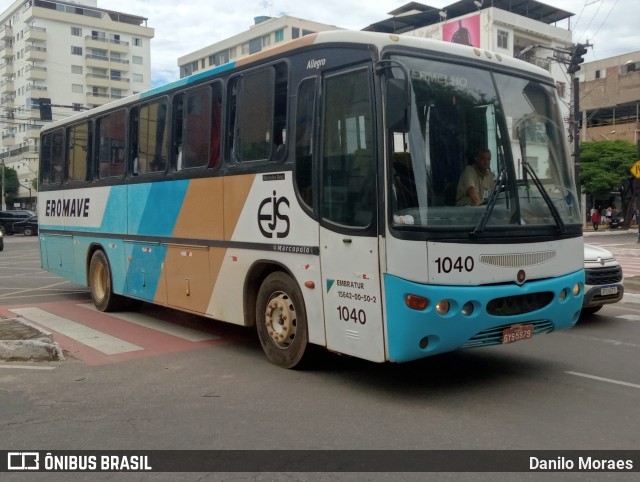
459,264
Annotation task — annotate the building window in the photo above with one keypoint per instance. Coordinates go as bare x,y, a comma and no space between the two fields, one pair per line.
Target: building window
307,32
503,39
266,40
137,42
76,31
233,53
295,32
77,88
561,87
244,48
76,69
280,35
136,59
138,78
76,50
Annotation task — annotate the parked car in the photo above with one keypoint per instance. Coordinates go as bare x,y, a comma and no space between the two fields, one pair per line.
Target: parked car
616,221
7,218
603,279
29,226
1,239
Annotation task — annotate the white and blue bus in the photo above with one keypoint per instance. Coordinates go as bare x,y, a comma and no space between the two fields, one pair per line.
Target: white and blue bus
310,191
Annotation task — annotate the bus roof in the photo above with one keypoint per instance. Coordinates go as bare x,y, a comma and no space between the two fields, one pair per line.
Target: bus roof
379,40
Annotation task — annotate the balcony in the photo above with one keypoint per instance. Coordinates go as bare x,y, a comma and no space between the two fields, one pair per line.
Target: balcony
35,72
31,114
97,80
119,83
95,98
6,101
35,34
103,43
6,70
9,139
33,131
36,90
6,52
34,53
7,87
96,61
118,46
6,32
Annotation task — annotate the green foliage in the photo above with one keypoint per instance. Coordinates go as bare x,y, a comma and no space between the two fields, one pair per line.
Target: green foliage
10,184
604,166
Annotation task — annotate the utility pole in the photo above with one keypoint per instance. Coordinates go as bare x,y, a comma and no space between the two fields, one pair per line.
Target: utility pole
4,205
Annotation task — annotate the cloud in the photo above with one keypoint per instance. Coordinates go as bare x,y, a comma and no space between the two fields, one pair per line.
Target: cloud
182,28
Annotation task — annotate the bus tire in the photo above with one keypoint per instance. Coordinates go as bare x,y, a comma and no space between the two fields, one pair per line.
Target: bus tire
281,320
101,284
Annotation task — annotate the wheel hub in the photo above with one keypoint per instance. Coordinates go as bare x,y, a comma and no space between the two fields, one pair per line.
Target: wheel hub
280,320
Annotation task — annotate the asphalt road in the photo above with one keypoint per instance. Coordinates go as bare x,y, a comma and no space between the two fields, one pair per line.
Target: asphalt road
574,389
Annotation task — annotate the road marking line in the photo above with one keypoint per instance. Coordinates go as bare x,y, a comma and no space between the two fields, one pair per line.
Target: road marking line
166,327
629,317
25,367
107,344
608,380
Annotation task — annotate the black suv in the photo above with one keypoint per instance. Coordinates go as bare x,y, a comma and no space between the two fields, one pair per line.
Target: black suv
7,218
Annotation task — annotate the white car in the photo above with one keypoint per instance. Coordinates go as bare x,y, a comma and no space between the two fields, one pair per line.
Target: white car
603,279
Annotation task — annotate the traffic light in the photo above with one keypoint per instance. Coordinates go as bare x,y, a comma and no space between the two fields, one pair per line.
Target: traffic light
577,57
45,109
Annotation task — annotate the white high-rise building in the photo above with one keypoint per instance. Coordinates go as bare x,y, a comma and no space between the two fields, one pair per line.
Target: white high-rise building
70,54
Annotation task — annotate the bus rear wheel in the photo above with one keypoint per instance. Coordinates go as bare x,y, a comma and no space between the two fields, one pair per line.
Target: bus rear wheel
281,320
101,284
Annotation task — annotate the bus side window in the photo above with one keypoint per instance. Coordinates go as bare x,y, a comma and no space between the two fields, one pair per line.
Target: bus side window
258,114
152,138
304,139
216,125
110,135
197,128
78,152
177,122
52,155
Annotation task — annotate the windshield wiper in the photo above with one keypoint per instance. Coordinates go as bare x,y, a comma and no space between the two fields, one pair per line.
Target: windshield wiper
491,202
545,196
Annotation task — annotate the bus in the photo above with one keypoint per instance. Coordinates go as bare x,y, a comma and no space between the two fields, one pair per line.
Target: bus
309,191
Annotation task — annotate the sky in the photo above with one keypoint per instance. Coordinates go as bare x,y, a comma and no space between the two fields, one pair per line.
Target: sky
183,27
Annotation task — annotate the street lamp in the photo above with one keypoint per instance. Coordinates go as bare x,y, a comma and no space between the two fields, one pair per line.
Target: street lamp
610,133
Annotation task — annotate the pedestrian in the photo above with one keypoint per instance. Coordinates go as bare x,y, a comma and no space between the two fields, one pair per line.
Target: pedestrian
595,219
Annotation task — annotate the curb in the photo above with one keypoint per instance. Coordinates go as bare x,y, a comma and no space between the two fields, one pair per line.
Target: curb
22,341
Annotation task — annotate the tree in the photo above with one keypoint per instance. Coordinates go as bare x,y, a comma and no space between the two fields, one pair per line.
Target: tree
10,185
605,168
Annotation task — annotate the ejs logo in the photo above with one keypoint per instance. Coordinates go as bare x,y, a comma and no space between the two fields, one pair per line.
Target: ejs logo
271,220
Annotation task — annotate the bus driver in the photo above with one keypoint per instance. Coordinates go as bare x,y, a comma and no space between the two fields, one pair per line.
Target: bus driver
476,181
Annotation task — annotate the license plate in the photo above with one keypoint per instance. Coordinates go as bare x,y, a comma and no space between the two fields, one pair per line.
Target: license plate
608,290
517,333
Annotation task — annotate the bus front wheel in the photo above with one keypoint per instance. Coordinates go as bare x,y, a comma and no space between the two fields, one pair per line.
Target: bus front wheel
101,285
281,320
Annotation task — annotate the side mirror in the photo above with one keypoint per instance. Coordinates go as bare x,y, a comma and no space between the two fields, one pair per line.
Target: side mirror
397,105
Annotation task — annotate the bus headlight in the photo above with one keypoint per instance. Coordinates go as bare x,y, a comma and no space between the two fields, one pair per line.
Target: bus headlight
467,309
577,288
563,295
443,307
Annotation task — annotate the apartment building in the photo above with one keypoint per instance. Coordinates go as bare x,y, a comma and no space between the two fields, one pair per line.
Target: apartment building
267,32
71,54
610,98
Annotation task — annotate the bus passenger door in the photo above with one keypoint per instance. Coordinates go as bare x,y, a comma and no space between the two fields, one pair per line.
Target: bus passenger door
349,252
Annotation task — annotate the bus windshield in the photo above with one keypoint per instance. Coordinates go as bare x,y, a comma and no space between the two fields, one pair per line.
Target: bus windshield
460,114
